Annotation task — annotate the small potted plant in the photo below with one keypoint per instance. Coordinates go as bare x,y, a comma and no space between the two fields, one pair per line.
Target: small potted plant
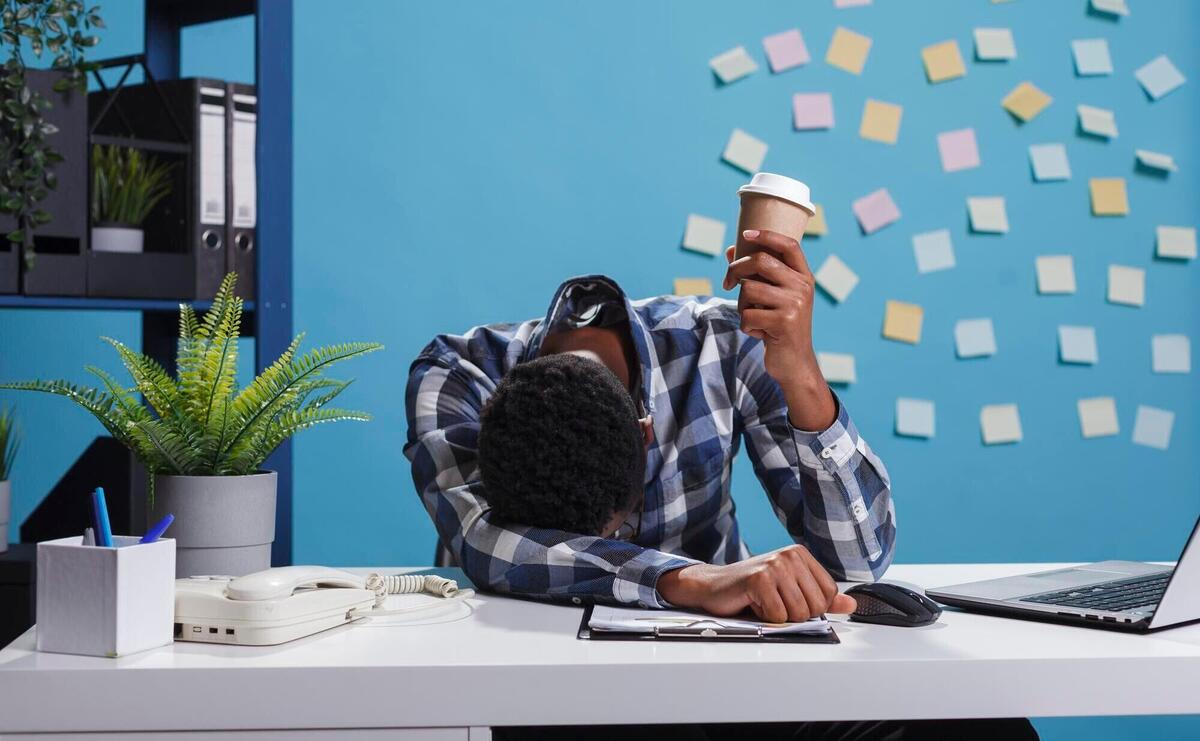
10,440
126,186
203,440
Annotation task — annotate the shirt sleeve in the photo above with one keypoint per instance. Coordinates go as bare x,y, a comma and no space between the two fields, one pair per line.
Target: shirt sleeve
443,402
828,488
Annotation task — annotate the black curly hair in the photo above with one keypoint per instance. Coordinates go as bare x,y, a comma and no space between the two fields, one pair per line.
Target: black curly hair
560,445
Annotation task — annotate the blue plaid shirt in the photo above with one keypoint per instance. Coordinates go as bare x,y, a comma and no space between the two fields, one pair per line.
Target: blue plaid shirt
704,384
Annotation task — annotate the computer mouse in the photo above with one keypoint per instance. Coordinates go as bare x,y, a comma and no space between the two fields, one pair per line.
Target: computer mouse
892,604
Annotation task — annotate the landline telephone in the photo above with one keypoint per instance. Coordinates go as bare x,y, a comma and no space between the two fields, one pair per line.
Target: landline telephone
283,604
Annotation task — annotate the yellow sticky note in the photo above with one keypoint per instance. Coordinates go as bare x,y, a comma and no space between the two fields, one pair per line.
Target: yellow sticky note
848,50
693,287
816,225
1025,101
880,121
1108,197
943,62
902,322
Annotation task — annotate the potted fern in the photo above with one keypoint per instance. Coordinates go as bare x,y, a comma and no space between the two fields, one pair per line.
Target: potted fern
203,440
126,186
10,440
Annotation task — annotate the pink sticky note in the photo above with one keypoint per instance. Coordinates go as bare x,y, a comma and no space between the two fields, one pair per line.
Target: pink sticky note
812,110
785,50
876,210
958,149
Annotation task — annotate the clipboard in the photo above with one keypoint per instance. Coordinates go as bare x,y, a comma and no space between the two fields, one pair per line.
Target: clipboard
704,629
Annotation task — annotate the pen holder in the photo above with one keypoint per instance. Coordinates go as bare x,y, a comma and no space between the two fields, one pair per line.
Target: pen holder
99,601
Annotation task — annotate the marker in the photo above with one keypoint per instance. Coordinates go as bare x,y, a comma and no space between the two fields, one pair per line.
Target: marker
156,532
103,528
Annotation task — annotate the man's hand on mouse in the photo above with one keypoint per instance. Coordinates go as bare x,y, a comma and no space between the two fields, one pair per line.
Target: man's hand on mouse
787,585
775,304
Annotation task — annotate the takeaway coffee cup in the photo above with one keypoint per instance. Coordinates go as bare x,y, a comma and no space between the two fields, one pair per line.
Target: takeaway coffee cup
774,203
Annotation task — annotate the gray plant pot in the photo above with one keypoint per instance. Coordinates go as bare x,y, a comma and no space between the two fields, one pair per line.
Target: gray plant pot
5,510
223,524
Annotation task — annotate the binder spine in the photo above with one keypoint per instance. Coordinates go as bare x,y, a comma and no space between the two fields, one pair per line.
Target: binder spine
241,242
209,208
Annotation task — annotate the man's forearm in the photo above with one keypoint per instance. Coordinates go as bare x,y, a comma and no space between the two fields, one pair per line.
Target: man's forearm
810,403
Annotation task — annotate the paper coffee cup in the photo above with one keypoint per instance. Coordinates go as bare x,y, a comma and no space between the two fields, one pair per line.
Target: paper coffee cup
773,203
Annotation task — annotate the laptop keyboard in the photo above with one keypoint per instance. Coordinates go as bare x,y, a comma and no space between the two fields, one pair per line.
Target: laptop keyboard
1115,596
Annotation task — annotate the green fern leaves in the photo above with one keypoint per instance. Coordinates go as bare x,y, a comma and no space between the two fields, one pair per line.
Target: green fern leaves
199,422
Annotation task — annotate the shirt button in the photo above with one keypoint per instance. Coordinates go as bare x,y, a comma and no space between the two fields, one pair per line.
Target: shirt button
828,452
577,601
860,512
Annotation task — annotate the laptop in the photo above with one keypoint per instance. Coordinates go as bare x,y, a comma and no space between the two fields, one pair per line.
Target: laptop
1118,595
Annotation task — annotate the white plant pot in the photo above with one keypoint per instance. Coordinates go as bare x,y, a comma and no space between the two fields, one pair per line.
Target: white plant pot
5,509
117,239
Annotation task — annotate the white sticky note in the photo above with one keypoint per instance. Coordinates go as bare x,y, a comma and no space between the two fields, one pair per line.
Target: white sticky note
836,278
1001,423
1126,285
745,152
704,235
1098,417
1152,427
1178,242
1159,76
933,250
994,43
837,367
988,214
1097,121
850,3
1055,273
1171,353
974,338
1112,7
1077,345
914,417
1091,57
1156,160
1049,162
733,65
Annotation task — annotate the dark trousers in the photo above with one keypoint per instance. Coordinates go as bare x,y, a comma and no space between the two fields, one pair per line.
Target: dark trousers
984,729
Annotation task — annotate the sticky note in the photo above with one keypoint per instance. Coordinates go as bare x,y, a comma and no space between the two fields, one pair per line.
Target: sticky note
1091,57
848,50
988,214
704,235
1098,417
1156,160
785,50
732,65
958,149
1097,121
992,44
880,121
1108,197
744,151
812,111
1077,345
902,322
1126,285
914,417
942,61
1055,274
816,224
693,287
875,210
1159,76
850,3
933,251
1152,427
1049,162
1178,242
974,338
1111,7
836,278
1025,101
836,367
1171,353
1001,423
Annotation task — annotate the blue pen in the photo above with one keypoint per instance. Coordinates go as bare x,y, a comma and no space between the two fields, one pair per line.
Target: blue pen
156,532
103,528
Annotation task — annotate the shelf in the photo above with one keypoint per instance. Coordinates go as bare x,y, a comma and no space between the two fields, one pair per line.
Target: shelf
101,304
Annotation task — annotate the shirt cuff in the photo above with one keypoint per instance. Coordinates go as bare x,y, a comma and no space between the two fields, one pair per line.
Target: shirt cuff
637,581
834,446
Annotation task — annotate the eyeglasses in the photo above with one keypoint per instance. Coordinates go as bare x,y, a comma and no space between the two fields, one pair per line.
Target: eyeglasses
632,527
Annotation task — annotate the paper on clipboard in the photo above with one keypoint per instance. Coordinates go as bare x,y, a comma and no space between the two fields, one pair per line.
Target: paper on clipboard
631,620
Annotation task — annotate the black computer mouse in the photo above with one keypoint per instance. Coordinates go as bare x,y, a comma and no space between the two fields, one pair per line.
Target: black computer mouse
891,604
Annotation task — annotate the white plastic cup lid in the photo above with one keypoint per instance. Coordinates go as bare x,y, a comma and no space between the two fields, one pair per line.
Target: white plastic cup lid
780,186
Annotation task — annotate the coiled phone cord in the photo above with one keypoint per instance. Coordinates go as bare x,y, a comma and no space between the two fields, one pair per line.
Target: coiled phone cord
431,584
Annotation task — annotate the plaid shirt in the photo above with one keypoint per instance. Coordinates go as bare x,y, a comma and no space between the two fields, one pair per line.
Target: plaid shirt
704,384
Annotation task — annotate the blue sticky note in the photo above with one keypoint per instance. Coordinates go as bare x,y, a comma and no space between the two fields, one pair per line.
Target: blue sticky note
1091,57
1171,353
933,251
1152,427
974,338
1049,162
1159,76
914,417
1077,345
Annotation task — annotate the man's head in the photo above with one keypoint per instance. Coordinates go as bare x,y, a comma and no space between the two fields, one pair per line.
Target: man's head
561,446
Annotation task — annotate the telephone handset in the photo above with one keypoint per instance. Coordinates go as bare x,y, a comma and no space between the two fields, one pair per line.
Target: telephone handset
283,604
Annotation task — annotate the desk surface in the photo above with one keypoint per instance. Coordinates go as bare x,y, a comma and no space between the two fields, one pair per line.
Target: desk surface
517,662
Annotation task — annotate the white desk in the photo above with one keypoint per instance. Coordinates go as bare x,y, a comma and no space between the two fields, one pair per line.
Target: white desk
516,662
